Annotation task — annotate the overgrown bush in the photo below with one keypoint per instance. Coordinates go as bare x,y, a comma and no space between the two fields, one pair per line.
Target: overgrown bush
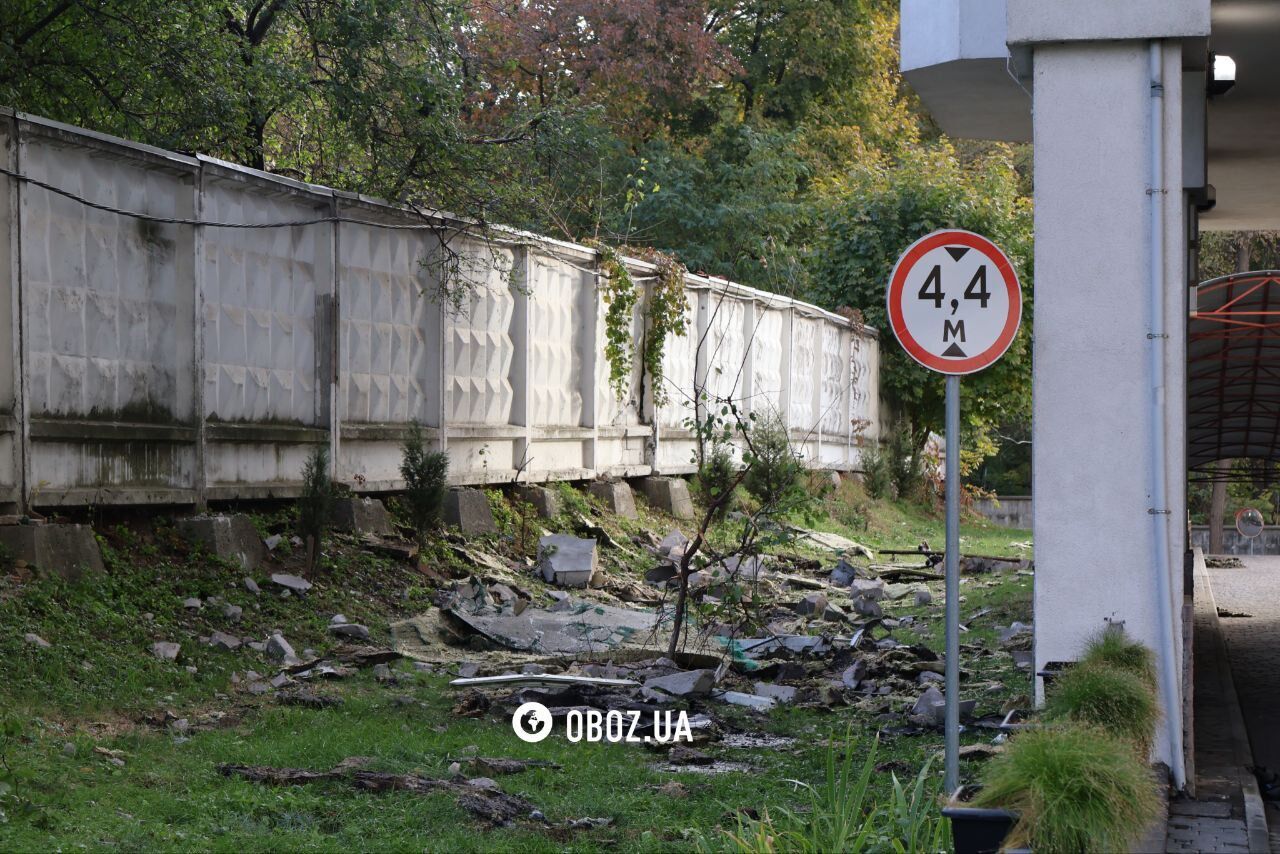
1118,701
1112,646
315,506
775,474
718,477
426,477
877,471
1075,788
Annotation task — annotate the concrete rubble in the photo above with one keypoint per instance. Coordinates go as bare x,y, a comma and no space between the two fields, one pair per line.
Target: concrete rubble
813,604
684,683
63,549
825,633
567,561
292,583
279,649
352,631
224,641
165,650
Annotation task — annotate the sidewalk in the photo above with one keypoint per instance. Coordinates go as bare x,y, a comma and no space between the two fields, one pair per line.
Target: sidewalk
1227,814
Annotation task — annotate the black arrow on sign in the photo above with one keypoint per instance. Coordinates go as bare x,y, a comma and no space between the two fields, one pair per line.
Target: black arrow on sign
954,350
957,252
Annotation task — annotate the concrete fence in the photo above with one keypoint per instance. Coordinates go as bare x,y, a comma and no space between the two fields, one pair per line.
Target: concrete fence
175,358
1009,511
1235,543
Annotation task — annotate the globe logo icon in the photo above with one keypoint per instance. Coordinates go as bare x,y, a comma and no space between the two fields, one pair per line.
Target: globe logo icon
531,722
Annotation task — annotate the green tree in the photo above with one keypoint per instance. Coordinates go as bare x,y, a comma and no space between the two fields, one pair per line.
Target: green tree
886,205
315,505
374,96
426,480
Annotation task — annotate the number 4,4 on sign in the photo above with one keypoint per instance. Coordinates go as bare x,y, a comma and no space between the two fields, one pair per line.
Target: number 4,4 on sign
954,302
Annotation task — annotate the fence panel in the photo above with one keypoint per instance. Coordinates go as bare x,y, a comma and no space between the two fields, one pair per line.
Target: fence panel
166,357
389,344
264,295
10,418
106,324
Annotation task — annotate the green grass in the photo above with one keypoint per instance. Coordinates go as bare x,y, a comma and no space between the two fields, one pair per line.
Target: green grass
842,816
98,686
904,525
1114,647
1119,701
1075,787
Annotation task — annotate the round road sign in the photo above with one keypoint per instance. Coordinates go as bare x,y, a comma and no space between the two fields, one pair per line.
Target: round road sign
954,302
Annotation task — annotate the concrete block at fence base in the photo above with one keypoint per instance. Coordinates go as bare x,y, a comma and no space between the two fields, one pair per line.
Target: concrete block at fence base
68,550
230,537
546,502
362,516
616,497
670,495
468,510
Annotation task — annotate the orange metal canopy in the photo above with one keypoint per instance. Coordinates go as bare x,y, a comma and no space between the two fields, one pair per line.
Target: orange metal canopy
1233,370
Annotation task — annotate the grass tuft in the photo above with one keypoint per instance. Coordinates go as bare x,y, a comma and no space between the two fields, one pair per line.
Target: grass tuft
1115,700
844,815
1075,787
1115,648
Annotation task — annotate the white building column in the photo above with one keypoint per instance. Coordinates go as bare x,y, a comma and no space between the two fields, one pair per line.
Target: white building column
1101,534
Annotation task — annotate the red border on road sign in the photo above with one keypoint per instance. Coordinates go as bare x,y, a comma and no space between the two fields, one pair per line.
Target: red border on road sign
954,237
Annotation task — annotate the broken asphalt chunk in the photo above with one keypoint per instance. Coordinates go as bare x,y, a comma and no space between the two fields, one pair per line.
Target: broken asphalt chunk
686,683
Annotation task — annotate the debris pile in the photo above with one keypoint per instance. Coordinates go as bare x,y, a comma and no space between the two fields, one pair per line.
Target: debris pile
787,630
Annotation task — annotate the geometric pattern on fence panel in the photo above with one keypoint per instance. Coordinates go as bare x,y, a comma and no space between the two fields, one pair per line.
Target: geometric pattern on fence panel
182,361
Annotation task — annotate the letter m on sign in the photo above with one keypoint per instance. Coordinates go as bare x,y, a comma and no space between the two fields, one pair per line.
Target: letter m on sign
952,330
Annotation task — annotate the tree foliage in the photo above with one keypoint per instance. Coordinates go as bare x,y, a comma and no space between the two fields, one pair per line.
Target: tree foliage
887,205
375,96
769,141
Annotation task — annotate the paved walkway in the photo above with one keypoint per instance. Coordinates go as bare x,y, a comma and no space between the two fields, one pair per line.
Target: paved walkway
1235,657
1215,820
1253,647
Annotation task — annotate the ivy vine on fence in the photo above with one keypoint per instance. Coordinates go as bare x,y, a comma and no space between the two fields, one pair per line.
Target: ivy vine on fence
619,292
665,315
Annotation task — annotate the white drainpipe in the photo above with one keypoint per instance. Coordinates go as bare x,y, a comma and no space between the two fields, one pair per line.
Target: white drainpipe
1169,672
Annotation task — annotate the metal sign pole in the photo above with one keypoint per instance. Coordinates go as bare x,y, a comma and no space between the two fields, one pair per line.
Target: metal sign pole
954,305
952,779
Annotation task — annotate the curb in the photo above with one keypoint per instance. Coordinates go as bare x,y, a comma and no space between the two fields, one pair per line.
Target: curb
1255,813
